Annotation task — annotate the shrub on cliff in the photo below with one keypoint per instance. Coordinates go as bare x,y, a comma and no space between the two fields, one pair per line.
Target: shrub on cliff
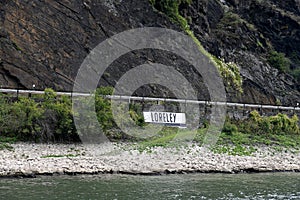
230,74
171,9
279,61
296,74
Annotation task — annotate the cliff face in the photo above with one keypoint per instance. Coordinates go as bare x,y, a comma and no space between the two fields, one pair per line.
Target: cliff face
245,32
44,42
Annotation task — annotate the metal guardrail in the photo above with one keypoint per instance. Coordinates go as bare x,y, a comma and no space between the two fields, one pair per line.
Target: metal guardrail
135,98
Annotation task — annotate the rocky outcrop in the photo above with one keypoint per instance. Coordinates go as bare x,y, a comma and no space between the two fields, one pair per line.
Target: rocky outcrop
245,32
44,42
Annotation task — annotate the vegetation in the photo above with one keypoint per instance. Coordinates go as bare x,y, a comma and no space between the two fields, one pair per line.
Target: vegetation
49,118
278,124
296,74
62,113
60,155
171,9
283,64
279,61
231,21
242,137
5,143
103,108
41,118
230,73
239,137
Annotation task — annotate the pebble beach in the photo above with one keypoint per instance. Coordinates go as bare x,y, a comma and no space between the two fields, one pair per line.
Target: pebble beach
30,160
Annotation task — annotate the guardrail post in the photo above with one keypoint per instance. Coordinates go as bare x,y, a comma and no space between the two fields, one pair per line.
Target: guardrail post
294,110
260,109
205,108
143,104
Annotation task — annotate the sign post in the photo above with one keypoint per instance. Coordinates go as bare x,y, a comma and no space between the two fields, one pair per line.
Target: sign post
166,118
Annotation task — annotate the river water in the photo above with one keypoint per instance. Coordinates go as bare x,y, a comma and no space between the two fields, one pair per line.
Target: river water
186,186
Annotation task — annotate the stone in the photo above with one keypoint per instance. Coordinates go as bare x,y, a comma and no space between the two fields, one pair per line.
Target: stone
44,43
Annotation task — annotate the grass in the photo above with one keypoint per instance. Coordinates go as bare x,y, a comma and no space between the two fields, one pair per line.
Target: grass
234,150
167,137
5,142
239,143
7,139
163,139
234,143
4,146
60,155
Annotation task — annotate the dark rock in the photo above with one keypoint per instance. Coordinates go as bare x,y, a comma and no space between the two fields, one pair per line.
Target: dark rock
244,32
45,42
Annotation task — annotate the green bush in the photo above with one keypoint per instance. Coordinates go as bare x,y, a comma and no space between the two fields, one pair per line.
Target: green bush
59,110
229,128
282,124
47,118
51,119
5,117
136,114
230,74
279,61
278,124
171,9
27,113
106,118
296,74
256,129
103,108
85,116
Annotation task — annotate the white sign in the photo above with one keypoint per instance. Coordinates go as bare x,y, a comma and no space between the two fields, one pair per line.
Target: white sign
169,118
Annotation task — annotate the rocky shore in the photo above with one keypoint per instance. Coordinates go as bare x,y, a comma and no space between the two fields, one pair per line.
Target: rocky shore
29,160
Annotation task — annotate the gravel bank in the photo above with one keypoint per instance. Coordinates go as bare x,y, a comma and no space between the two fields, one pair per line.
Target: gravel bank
28,160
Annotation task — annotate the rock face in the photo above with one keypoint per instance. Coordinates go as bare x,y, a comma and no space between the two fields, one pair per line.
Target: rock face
244,32
44,42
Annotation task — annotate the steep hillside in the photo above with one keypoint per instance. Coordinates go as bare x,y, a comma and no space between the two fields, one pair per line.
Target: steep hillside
247,32
44,42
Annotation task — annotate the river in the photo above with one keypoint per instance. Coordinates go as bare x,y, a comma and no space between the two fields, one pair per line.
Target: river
185,186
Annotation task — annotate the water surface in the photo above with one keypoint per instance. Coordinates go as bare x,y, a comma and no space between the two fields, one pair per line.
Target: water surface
189,186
